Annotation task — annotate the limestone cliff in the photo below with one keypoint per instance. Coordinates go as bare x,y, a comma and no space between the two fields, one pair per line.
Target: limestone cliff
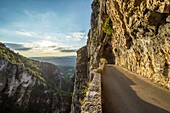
139,40
28,86
133,34
81,80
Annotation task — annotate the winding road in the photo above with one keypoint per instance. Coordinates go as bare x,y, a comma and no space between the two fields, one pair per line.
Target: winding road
124,92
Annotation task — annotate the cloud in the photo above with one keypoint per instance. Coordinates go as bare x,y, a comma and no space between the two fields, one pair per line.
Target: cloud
21,35
25,33
69,50
38,45
52,46
64,37
66,49
45,43
3,30
60,48
23,49
19,47
14,46
44,15
42,48
77,36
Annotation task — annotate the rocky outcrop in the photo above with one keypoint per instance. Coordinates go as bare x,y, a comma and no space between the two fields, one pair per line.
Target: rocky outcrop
139,39
87,86
81,80
28,86
133,34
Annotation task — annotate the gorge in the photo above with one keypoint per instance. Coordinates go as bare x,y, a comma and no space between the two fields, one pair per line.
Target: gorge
126,60
29,86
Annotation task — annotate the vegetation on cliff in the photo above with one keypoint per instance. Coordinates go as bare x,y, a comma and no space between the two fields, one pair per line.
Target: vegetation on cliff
17,59
107,28
32,86
35,68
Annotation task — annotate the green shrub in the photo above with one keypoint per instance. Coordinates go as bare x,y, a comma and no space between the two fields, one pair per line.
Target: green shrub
85,89
107,28
81,102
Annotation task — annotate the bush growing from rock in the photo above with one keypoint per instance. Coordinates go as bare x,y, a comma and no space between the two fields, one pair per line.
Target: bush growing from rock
107,28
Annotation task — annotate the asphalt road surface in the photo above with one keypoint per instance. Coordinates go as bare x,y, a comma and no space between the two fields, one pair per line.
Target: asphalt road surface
124,92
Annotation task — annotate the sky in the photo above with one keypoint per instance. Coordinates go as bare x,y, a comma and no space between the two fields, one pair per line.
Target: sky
36,28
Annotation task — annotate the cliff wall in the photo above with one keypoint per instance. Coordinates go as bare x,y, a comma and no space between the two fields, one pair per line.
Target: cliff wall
133,34
141,37
87,86
81,80
28,86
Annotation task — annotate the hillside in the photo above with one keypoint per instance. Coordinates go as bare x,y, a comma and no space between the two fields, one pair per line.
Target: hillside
29,86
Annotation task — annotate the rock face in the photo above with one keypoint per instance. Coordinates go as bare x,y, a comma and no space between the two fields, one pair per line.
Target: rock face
139,39
133,34
87,86
81,80
28,86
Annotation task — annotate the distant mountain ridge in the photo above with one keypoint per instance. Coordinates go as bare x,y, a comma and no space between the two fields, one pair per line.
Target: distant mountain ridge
59,61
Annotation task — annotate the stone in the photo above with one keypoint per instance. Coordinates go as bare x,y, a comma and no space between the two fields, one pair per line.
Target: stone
168,19
139,41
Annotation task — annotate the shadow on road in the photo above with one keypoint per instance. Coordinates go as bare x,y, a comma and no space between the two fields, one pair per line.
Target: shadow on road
119,97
